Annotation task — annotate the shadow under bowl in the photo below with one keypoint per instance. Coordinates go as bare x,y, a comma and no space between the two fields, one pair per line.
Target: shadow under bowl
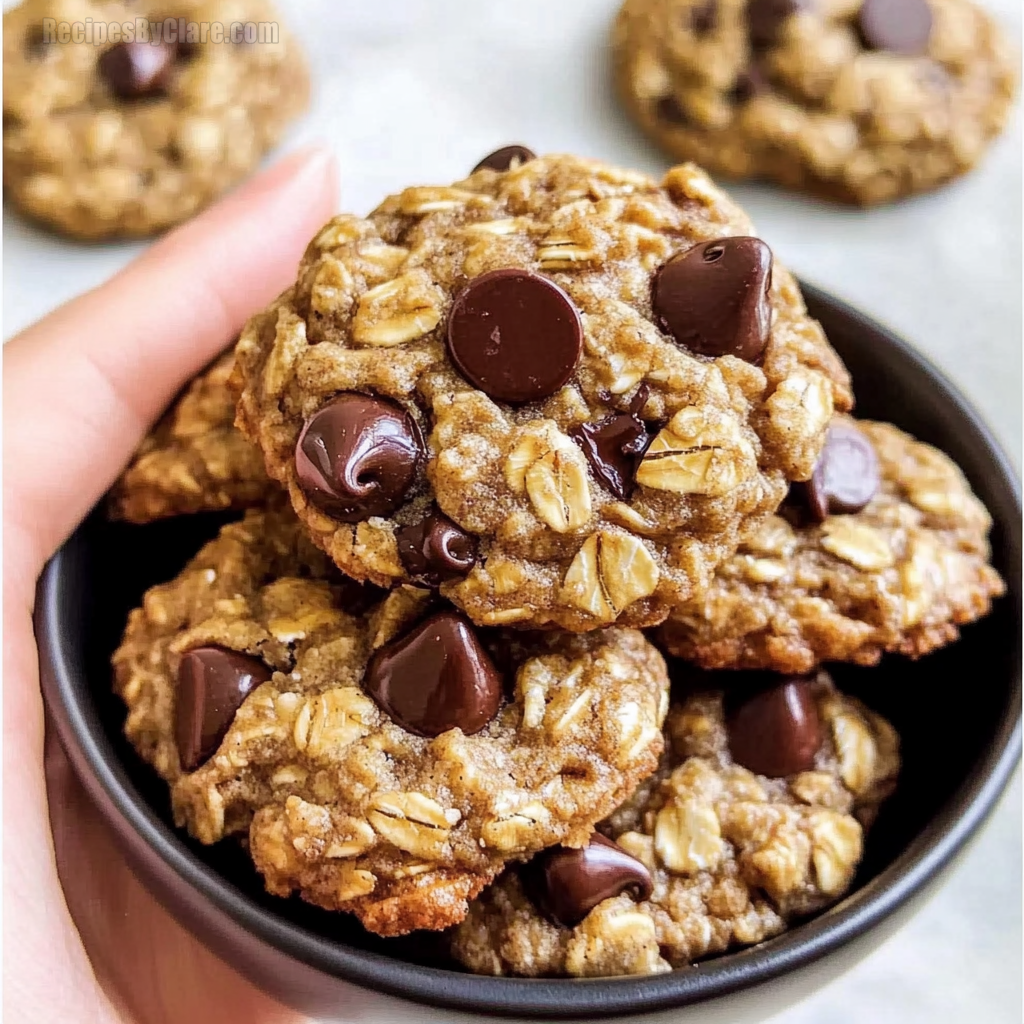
960,747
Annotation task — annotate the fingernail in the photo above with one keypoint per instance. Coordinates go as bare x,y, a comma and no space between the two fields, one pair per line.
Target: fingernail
307,165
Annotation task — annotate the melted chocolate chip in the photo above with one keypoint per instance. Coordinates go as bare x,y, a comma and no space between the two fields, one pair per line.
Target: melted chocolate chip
899,26
615,445
566,884
777,731
357,457
506,159
435,549
765,18
435,678
212,683
713,298
515,335
704,17
137,70
846,476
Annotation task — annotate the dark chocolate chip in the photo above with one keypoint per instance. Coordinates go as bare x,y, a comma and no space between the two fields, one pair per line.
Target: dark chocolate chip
667,109
136,70
704,17
515,335
435,549
566,884
615,445
899,26
435,678
777,731
506,159
357,457
212,683
713,298
846,476
765,18
750,82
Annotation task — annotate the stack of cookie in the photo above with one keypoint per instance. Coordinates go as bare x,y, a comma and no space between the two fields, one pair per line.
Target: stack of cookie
501,447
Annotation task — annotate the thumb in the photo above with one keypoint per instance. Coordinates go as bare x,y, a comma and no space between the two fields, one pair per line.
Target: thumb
82,386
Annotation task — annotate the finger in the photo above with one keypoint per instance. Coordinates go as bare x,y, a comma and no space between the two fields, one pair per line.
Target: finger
50,977
82,385
146,962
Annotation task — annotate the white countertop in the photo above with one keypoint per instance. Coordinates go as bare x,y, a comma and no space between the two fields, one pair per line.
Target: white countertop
416,91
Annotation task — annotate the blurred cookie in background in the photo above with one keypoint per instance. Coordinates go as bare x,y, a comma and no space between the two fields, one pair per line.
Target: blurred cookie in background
861,101
122,119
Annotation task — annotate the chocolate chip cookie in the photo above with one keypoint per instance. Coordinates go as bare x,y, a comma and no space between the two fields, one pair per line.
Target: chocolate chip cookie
861,101
194,460
381,756
123,118
885,549
756,817
558,391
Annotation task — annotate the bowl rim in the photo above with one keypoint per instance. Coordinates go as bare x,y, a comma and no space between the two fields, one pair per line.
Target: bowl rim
944,836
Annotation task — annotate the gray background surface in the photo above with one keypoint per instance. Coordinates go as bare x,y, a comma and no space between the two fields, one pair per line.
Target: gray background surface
415,91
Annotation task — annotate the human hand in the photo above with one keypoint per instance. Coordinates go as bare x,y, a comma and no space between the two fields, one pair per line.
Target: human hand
84,941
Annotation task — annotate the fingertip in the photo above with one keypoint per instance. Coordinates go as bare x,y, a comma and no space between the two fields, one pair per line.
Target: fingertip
308,175
317,162
245,250
295,195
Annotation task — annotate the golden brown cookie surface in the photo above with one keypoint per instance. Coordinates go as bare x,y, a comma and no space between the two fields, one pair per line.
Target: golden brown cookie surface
378,761
194,459
563,390
731,856
900,575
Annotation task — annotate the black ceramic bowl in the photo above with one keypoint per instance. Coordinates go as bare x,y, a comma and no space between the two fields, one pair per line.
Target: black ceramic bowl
958,755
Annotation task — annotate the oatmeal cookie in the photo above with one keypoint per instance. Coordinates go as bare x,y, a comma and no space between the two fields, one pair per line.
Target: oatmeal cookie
560,391
193,460
886,549
862,101
755,818
384,760
122,137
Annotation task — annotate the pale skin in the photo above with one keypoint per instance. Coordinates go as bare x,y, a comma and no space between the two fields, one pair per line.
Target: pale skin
83,940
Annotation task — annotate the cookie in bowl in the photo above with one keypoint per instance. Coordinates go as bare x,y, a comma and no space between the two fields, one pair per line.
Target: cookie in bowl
862,101
590,382
193,459
755,820
311,959
127,133
378,755
885,549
